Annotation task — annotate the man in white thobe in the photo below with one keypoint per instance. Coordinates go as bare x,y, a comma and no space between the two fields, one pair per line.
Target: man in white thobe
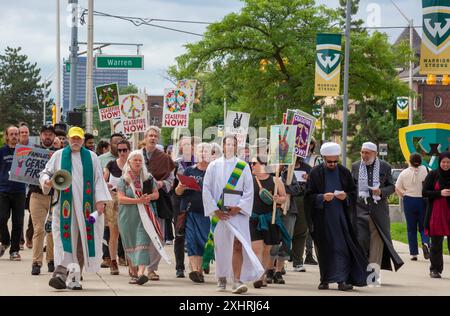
232,244
77,232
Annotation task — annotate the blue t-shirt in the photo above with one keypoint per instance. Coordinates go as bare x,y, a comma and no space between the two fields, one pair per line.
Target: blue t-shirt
192,200
6,158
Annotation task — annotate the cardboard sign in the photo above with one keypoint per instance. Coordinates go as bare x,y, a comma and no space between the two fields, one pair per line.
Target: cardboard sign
133,112
108,101
176,108
237,123
28,162
305,128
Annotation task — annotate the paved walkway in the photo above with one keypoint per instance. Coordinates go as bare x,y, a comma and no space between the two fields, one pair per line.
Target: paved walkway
412,279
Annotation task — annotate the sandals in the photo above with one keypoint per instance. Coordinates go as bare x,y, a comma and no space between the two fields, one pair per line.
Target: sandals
153,276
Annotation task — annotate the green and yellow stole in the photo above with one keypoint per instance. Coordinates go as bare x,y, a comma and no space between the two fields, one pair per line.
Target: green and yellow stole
66,206
208,254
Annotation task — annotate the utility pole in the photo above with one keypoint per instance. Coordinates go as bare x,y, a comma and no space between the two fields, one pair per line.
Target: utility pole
89,67
73,55
411,46
58,64
348,19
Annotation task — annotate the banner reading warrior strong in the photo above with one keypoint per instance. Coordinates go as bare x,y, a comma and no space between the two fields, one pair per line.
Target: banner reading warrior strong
328,65
435,50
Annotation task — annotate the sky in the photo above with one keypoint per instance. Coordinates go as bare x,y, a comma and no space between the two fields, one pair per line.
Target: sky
31,25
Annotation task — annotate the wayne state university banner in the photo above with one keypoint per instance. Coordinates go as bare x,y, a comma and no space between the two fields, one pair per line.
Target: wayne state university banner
328,65
402,108
435,49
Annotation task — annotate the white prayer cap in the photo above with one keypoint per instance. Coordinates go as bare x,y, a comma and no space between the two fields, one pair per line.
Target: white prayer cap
369,146
330,149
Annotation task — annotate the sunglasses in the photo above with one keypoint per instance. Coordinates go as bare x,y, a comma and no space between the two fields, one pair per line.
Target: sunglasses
332,161
122,150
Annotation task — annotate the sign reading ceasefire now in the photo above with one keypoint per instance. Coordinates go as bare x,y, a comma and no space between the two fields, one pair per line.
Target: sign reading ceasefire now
119,62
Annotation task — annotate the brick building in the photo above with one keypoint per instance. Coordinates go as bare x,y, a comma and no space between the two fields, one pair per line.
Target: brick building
433,101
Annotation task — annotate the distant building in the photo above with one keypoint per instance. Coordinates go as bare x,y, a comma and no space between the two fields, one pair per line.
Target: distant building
100,76
155,107
433,102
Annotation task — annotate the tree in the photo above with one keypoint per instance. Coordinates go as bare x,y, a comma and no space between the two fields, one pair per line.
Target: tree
262,61
21,94
355,24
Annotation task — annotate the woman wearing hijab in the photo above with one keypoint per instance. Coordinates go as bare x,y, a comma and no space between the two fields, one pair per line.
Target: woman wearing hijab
409,187
437,219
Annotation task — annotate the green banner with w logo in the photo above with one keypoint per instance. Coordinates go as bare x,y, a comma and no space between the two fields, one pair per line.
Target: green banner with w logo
435,50
328,65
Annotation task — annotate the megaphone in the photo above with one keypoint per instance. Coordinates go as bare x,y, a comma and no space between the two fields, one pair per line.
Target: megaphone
62,179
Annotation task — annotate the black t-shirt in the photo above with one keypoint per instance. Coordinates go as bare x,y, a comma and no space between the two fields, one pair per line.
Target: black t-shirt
259,207
192,200
114,169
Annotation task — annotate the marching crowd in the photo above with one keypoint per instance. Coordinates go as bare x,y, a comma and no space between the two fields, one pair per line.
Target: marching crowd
221,205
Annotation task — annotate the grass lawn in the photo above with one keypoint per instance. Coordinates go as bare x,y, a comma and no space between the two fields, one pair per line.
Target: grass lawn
399,233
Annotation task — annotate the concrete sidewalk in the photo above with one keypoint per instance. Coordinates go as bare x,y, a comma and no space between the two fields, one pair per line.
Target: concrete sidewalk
412,279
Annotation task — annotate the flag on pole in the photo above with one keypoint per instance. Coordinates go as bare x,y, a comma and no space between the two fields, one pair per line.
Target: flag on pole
328,65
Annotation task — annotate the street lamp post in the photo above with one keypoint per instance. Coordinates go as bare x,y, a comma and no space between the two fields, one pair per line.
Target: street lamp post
346,70
411,46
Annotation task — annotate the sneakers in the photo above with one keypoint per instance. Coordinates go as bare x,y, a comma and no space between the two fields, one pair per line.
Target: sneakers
180,273
221,284
426,251
169,242
258,284
299,268
74,285
435,275
239,288
278,278
206,270
51,266
269,276
413,258
35,269
15,256
22,245
310,260
106,263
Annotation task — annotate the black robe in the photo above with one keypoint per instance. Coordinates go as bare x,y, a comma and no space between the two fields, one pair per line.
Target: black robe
332,230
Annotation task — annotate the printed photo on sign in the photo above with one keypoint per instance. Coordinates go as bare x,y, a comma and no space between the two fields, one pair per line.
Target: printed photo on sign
117,128
176,108
133,112
237,123
282,143
27,164
305,128
108,101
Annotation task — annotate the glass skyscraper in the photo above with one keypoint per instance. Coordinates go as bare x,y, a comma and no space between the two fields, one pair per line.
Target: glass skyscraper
100,77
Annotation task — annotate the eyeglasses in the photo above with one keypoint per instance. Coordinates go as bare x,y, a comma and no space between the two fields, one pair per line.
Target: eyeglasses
122,150
332,161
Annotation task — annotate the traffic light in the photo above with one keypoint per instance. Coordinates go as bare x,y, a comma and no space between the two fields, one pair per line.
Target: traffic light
431,79
445,80
53,114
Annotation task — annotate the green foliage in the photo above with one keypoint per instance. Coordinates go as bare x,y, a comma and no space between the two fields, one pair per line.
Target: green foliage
21,94
262,60
399,233
393,199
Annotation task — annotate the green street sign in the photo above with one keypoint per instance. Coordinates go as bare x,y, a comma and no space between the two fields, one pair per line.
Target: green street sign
67,66
119,62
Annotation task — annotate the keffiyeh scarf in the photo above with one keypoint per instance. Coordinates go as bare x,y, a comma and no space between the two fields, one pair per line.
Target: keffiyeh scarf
363,181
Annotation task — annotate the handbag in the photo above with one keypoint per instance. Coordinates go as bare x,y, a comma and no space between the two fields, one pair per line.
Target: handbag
264,194
164,205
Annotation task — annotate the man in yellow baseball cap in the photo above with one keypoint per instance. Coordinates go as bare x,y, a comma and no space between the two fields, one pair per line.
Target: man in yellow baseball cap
76,132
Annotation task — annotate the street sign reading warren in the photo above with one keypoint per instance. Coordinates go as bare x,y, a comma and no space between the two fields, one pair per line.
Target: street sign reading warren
119,62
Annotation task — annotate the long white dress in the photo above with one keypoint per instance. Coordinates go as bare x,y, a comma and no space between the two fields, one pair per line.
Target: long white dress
216,177
101,193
